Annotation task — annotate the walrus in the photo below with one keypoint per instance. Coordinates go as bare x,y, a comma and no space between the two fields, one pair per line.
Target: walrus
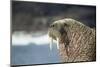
76,42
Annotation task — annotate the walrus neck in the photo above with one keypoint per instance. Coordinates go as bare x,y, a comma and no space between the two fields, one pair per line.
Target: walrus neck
67,40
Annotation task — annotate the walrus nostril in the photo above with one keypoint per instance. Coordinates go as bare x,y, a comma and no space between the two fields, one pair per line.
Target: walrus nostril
52,25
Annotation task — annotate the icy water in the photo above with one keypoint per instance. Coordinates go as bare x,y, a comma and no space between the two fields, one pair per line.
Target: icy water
32,50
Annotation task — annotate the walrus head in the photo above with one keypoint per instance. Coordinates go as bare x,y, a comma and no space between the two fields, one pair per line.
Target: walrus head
57,30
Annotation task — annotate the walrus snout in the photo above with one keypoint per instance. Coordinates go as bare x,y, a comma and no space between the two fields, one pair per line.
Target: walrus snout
54,34
52,25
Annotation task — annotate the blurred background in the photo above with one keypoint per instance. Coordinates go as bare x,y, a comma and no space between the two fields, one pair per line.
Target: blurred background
30,23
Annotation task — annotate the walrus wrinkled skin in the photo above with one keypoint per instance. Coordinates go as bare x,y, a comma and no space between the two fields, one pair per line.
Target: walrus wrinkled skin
77,42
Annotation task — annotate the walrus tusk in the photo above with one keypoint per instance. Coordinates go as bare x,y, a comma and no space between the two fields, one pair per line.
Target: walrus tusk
57,43
51,42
